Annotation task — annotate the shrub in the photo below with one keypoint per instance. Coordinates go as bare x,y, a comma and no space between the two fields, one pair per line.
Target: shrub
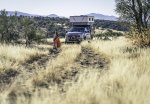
108,33
140,39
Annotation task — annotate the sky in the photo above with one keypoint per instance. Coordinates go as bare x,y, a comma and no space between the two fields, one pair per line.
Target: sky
60,7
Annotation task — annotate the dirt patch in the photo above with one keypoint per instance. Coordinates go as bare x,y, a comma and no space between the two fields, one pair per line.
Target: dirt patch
33,59
6,76
88,58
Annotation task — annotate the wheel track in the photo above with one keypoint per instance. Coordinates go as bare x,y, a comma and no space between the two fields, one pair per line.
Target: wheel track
87,58
26,71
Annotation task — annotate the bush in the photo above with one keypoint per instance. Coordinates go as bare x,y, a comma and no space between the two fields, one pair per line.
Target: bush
108,33
140,39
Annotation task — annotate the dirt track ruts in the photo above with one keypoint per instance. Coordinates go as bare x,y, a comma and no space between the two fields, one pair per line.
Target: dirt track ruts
25,71
88,58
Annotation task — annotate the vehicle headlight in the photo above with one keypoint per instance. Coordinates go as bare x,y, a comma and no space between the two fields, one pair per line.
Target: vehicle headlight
66,35
81,35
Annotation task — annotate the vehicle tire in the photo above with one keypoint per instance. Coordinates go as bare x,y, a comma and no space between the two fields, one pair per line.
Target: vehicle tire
66,42
78,42
91,37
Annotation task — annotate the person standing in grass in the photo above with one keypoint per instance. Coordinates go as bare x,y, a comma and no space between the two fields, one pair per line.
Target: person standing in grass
56,41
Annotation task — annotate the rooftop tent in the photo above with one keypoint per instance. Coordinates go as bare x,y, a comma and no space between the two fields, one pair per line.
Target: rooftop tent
82,20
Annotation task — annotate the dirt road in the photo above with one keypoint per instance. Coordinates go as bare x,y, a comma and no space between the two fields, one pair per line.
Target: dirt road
87,59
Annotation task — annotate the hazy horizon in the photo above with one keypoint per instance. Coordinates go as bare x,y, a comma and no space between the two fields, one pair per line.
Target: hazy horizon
62,8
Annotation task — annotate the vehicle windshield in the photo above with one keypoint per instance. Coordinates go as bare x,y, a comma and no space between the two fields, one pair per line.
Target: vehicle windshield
77,29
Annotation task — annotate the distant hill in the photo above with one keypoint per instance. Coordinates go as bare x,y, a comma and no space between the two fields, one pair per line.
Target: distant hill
52,15
103,17
96,15
11,13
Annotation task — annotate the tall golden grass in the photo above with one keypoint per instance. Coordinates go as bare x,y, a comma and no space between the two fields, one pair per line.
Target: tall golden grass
63,62
11,56
125,82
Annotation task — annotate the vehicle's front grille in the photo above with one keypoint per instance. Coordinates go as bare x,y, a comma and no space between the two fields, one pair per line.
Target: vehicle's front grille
73,37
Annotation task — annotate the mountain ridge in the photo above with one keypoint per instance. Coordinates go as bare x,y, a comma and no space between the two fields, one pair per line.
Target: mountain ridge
103,17
96,15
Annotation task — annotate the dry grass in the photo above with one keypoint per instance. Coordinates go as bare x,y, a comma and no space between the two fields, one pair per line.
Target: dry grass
63,62
99,31
11,56
140,39
126,82
109,48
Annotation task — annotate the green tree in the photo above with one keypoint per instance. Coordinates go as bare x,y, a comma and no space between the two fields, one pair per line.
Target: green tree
29,30
8,27
135,11
3,25
13,27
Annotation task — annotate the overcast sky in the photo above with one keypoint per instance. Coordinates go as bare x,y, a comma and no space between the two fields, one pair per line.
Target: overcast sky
60,7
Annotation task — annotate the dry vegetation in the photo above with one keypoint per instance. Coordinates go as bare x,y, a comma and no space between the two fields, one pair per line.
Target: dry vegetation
126,81
11,56
101,31
58,66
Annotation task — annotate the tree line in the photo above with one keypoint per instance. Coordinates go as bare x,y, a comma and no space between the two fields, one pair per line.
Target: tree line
14,28
115,25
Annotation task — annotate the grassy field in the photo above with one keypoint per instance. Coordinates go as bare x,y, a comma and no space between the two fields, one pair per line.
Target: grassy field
95,72
11,56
